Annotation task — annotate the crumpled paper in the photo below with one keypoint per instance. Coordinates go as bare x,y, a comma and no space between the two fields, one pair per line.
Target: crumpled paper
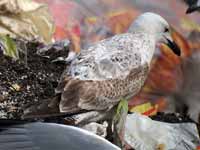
143,133
26,19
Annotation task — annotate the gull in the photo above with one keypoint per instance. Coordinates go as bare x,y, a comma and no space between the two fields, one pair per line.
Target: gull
112,69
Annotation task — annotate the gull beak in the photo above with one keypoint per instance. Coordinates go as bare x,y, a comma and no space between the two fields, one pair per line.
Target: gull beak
172,45
175,48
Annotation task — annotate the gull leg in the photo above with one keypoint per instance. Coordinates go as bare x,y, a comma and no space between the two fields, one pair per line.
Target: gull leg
110,136
92,116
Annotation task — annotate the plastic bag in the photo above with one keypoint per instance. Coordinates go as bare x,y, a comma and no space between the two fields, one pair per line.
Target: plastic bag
26,19
142,133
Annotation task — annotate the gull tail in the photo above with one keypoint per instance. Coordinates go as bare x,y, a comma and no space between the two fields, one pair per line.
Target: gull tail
41,109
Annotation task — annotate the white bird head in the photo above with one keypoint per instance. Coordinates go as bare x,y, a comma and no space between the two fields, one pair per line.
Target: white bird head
157,27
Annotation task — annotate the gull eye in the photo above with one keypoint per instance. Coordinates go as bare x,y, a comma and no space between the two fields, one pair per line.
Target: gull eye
166,30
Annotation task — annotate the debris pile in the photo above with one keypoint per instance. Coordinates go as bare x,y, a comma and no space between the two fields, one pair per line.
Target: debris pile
23,84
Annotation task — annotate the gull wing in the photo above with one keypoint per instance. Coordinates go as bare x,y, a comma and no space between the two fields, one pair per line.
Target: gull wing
101,94
103,74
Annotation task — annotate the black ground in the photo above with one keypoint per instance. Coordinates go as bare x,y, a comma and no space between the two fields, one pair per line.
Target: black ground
23,84
171,118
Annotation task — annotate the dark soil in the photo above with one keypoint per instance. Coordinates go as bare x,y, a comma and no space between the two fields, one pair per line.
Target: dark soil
171,118
22,84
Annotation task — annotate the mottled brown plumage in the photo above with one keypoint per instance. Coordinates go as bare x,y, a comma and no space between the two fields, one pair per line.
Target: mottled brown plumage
99,95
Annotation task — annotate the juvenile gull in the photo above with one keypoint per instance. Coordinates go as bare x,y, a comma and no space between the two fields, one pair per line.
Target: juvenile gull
114,68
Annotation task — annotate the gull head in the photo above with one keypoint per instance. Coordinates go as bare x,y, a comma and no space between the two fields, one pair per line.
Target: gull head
155,26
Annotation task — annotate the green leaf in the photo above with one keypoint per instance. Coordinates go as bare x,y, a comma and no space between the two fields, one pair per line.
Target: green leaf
122,107
10,48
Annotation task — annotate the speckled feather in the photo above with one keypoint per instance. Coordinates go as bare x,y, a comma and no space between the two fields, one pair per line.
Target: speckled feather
111,58
108,71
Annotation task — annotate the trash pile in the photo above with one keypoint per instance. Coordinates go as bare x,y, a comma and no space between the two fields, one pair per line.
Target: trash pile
143,133
32,63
